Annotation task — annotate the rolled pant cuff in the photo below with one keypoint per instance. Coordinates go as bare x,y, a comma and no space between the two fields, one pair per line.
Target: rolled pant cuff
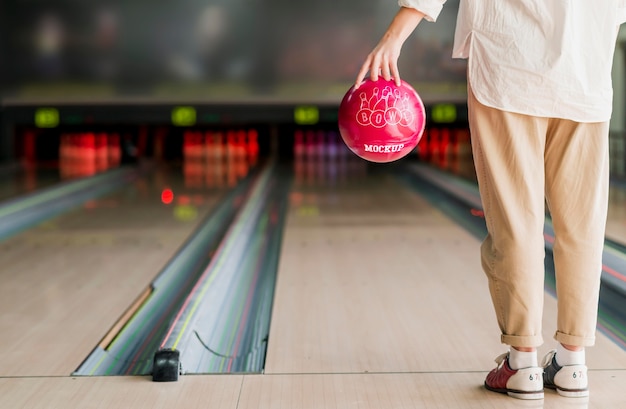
574,339
528,341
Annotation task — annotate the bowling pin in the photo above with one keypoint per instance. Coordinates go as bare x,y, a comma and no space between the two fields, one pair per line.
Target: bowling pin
309,144
240,145
299,148
253,146
115,150
101,152
230,146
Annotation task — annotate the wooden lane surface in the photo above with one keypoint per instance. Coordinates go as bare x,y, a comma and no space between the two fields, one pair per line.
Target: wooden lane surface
327,332
460,390
374,279
456,390
119,392
65,283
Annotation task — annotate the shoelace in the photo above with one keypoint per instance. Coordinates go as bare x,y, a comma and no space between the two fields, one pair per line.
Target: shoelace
547,360
500,358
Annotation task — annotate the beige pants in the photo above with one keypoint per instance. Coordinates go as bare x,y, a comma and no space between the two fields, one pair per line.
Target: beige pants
523,162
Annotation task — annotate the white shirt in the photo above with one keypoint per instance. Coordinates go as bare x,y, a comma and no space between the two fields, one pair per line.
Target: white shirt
543,58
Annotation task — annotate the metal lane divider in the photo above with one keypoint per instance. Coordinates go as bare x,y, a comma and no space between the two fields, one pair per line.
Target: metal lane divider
20,213
224,323
129,347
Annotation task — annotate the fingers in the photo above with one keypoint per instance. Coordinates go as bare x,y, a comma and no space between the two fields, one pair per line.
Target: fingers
375,68
362,72
385,72
378,66
389,69
395,73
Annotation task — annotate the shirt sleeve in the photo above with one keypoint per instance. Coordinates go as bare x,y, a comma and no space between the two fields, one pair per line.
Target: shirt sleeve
431,8
621,11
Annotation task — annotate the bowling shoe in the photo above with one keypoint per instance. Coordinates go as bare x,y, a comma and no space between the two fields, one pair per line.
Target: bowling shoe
568,380
525,383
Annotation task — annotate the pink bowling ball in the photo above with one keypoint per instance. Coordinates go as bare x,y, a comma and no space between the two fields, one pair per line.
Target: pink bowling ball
381,122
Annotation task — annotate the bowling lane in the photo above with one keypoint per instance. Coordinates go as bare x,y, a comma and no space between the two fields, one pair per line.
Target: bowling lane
450,150
18,181
80,154
616,223
373,278
64,283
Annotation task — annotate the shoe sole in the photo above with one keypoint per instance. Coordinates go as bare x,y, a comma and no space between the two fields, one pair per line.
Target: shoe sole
570,393
524,395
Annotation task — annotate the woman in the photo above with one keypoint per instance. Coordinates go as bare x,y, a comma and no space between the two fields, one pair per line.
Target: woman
539,104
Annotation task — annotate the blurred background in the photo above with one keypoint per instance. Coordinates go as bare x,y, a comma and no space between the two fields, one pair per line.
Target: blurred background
91,64
213,49
140,140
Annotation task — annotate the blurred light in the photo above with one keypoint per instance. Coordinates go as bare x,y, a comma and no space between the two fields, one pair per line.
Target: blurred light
46,118
309,211
184,116
296,198
306,115
167,196
184,200
186,213
443,113
477,213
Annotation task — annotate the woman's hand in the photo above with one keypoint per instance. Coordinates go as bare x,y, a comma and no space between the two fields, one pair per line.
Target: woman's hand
383,60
